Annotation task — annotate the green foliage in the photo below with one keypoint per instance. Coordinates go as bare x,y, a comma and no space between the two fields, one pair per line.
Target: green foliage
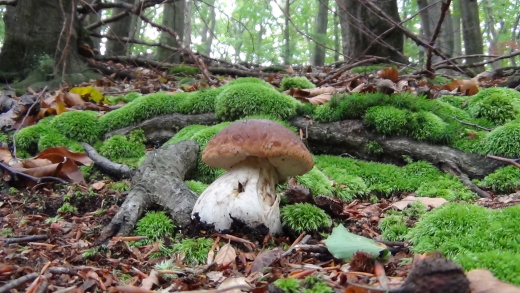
503,180
195,250
125,99
387,120
346,187
185,133
141,109
120,186
154,225
201,101
300,82
456,101
343,244
374,147
448,188
504,140
169,265
394,227
304,217
32,139
82,126
54,139
183,70
243,80
288,285
120,149
472,235
66,207
54,219
415,210
197,186
4,138
246,99
13,191
497,104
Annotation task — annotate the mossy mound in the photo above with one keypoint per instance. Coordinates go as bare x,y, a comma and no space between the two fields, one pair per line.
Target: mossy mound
242,80
498,105
197,186
121,149
201,101
81,126
300,82
245,99
141,109
304,217
503,180
183,70
33,139
387,120
473,236
504,140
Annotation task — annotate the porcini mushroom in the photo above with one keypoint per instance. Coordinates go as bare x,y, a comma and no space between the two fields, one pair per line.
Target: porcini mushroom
257,154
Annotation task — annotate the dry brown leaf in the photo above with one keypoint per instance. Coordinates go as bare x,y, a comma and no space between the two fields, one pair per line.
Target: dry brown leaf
79,158
235,285
226,255
468,87
151,280
34,163
265,258
98,185
389,73
289,69
483,281
72,99
320,99
5,155
427,201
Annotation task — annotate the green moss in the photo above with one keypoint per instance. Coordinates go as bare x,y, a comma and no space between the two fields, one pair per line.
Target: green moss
448,188
393,227
194,250
288,285
316,181
120,149
456,101
82,126
498,105
427,126
304,217
371,68
54,139
201,101
300,82
504,140
183,70
242,80
346,187
141,109
185,133
387,120
373,147
474,236
197,186
503,180
311,284
154,225
247,99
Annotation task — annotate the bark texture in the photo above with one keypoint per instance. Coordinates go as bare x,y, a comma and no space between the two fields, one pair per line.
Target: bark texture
120,29
471,32
159,181
173,17
318,58
364,33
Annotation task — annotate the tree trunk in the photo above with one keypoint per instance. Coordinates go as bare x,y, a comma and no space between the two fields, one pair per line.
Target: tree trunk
286,35
321,33
471,33
120,29
173,17
337,36
40,33
457,27
430,13
364,33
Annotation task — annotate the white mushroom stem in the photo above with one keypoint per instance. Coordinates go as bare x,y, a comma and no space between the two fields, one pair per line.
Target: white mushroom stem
247,193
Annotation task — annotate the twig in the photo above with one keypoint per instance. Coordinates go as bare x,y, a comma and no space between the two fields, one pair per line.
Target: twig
25,117
514,162
451,168
37,180
471,124
24,239
341,70
17,282
445,6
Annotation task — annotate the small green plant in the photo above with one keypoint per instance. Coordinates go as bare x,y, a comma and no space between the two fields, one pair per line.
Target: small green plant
13,191
304,217
300,82
374,147
194,250
120,186
7,232
54,219
169,265
66,207
183,70
288,285
394,227
415,210
197,186
154,225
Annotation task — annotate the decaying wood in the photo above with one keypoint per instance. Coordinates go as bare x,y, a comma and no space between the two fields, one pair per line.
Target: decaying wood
158,181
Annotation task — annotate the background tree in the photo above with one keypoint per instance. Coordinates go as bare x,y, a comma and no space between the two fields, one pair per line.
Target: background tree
430,13
473,44
121,29
321,33
365,34
173,17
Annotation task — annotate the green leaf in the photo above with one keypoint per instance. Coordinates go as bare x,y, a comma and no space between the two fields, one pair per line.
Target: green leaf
343,244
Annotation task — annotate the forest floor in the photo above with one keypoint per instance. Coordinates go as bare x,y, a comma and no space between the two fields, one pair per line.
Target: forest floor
46,250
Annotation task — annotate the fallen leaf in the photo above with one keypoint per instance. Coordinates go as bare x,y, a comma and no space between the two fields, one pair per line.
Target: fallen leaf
79,158
467,87
238,284
98,185
434,202
320,99
389,73
343,245
226,255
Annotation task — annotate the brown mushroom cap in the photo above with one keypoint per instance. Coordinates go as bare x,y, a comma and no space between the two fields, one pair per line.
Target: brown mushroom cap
259,138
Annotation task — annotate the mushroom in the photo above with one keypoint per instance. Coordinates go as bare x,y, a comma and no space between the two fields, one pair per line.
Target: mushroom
257,154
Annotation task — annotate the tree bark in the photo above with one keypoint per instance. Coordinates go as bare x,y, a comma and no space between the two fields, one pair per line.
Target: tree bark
173,17
321,33
120,29
430,13
286,35
41,30
471,33
159,180
364,33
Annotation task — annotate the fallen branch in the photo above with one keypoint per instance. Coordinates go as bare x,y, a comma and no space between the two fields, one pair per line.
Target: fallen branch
17,282
471,124
111,168
23,239
514,162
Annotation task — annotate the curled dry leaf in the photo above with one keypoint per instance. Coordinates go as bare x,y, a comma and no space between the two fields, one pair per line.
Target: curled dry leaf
389,73
468,87
320,99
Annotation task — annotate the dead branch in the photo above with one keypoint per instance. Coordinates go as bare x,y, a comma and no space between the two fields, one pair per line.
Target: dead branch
335,74
17,174
9,2
30,238
514,162
107,166
17,282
